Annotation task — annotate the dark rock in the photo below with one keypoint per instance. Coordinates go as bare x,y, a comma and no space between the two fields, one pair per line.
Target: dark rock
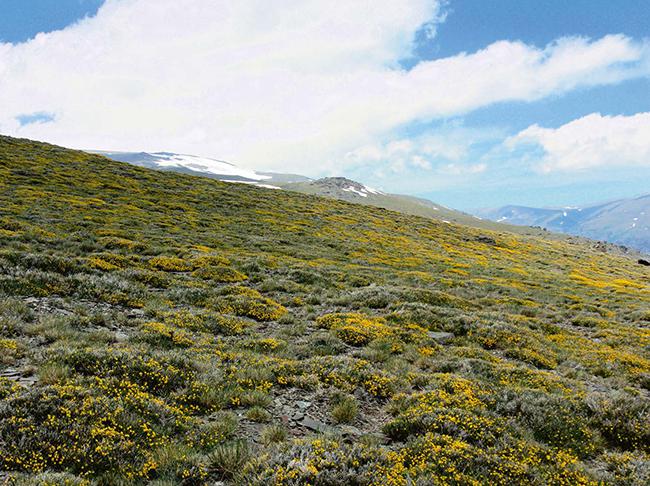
350,431
297,416
644,262
488,240
315,425
11,373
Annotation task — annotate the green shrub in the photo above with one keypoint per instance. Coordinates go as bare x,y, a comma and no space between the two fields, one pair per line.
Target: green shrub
227,460
273,434
621,419
255,398
345,410
258,414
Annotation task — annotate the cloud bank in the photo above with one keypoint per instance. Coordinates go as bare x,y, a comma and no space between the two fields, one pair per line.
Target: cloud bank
591,142
288,85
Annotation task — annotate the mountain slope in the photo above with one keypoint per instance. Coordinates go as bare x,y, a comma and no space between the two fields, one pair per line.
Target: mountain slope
351,191
625,222
348,190
200,166
333,187
159,327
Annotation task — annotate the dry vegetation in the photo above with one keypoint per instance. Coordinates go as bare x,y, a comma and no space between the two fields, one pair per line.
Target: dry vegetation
163,329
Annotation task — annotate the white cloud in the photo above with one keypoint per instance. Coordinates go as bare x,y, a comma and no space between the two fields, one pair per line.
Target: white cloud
289,85
591,141
443,150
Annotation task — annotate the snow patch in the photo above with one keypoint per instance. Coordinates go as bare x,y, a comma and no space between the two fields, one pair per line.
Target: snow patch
361,192
203,164
372,190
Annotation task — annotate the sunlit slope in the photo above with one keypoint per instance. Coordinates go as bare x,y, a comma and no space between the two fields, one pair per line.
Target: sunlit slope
351,191
159,326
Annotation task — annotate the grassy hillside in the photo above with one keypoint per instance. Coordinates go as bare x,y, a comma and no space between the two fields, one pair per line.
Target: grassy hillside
411,205
167,329
333,187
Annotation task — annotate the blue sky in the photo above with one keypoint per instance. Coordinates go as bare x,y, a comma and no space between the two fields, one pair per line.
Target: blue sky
411,96
471,25
23,19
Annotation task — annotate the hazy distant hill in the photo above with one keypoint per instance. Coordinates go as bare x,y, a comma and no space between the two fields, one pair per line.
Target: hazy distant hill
624,222
352,191
201,166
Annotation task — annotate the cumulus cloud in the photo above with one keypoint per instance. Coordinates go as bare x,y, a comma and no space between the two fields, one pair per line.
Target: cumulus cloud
589,142
290,85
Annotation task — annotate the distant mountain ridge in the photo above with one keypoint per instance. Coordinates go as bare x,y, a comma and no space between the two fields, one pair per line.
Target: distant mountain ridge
352,191
339,188
624,221
201,166
334,187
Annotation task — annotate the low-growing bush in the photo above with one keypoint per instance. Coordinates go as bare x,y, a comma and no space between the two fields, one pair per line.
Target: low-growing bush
622,419
273,434
220,274
344,409
170,264
258,414
227,460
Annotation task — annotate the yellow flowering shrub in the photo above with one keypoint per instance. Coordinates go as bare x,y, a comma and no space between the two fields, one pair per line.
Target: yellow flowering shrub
355,329
250,304
118,243
219,274
160,333
101,264
10,350
518,343
170,264
266,344
69,427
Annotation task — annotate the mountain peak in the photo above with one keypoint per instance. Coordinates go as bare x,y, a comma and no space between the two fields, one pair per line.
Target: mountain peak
332,185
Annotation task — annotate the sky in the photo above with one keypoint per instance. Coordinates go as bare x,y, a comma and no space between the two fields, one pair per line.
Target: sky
469,103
